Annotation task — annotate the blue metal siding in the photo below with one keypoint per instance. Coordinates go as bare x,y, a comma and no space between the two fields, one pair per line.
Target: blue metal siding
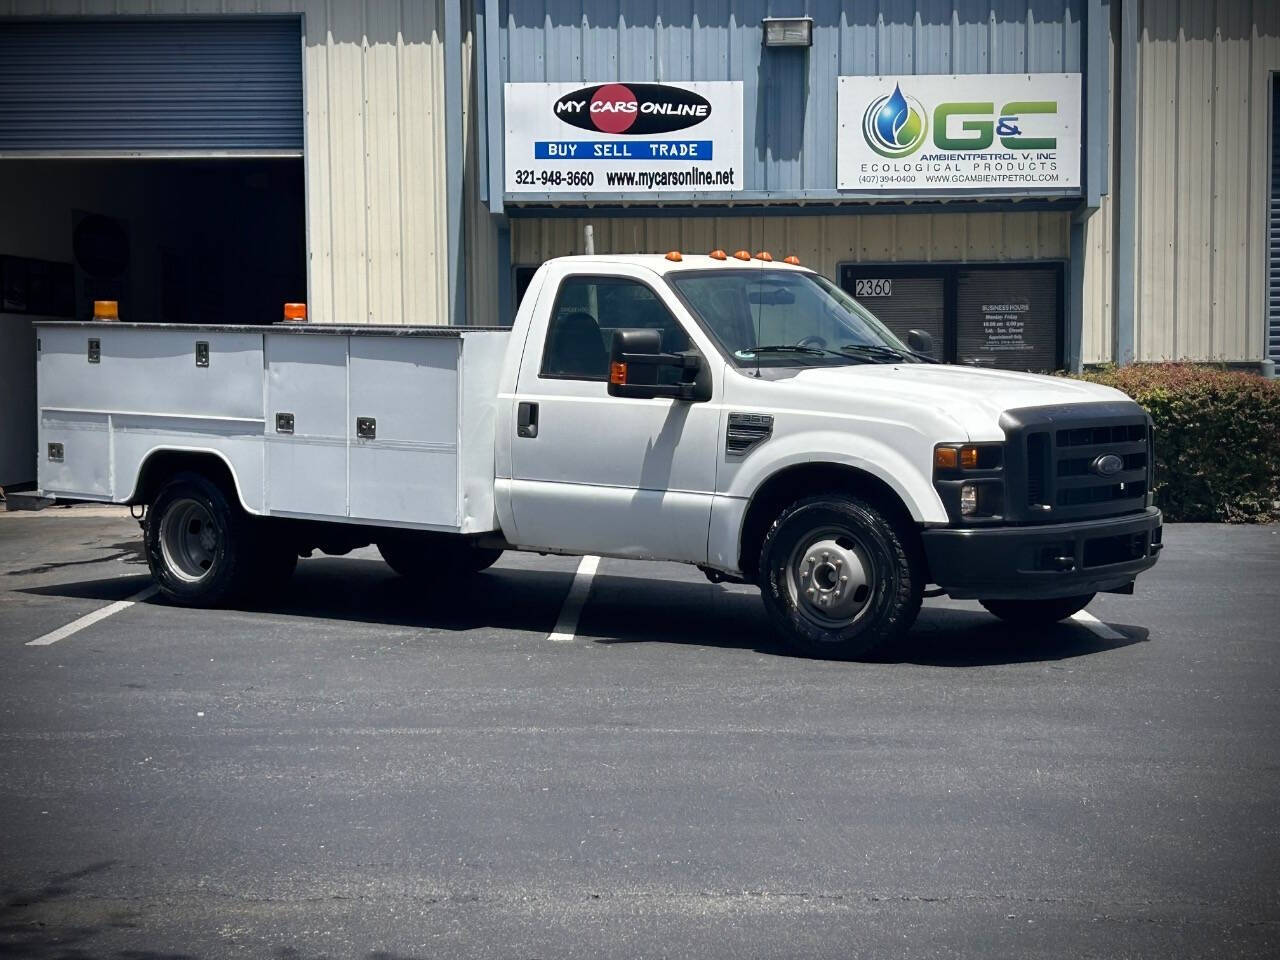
149,85
789,96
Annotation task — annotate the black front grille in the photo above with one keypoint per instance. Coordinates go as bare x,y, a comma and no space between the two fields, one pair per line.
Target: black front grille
1101,436
1066,464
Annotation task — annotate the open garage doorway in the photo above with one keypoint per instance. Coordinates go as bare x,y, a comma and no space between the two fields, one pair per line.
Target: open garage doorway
173,241
218,240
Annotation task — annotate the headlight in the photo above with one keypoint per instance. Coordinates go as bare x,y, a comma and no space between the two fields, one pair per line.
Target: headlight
969,477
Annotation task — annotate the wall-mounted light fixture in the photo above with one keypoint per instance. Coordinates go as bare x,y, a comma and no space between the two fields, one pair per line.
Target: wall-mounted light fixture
788,31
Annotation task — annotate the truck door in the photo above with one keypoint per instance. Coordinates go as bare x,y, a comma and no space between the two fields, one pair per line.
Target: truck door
601,474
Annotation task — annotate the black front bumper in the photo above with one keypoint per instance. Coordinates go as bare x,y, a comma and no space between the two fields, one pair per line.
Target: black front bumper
1037,561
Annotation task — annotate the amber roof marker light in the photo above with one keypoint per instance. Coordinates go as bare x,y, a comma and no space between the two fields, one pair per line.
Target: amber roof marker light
718,255
765,255
742,255
791,259
674,256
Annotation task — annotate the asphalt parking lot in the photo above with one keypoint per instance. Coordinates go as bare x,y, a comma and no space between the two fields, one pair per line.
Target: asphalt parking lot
364,769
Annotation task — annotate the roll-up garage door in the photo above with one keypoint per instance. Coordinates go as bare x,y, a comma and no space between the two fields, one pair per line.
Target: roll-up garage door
1008,318
1273,232
902,303
201,87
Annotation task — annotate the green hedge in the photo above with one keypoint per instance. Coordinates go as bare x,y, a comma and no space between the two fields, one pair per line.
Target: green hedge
1217,439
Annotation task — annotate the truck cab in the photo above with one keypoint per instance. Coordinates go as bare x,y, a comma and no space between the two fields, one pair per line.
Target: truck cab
735,412
810,451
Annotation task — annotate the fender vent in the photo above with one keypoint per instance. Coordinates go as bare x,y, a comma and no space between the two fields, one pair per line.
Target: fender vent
747,430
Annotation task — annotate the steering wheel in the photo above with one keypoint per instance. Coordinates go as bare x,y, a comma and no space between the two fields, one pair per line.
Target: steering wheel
813,340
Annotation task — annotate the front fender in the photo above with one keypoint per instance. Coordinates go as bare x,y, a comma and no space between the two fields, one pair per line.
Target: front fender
899,468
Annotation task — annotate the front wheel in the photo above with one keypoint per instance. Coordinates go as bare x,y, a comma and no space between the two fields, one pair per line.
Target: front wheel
839,578
1030,613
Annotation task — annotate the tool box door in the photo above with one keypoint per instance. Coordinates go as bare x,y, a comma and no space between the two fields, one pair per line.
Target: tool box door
306,424
403,426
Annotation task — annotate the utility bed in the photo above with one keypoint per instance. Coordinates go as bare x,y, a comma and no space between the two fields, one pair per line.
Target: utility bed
378,425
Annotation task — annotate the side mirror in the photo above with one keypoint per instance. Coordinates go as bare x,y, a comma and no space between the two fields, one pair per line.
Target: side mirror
920,342
635,357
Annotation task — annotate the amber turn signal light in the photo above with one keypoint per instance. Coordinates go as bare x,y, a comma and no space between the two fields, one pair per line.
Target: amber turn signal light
106,310
618,374
951,458
295,312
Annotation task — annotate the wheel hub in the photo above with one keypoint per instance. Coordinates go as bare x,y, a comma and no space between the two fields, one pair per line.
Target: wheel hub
189,540
830,580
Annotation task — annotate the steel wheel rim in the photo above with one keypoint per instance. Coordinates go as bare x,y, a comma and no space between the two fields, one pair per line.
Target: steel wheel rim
829,578
189,540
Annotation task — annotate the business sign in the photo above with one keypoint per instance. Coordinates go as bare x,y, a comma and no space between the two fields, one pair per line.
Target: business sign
975,134
606,138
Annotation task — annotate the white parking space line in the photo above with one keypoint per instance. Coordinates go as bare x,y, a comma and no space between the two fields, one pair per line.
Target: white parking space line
89,619
567,624
1087,619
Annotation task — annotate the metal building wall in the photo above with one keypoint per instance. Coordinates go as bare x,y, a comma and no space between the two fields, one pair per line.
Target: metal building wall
822,242
1204,97
789,96
374,152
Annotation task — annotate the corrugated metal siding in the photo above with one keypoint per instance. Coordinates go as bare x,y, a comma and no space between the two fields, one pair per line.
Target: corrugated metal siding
821,242
1273,232
789,96
1099,276
481,231
168,85
374,146
1203,167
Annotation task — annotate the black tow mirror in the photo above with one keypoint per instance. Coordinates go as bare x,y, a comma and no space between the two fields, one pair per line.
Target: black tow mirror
920,342
635,357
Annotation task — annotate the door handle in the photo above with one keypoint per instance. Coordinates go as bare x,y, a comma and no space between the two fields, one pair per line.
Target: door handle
526,419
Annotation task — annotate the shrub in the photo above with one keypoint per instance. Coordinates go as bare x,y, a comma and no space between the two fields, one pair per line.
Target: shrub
1217,438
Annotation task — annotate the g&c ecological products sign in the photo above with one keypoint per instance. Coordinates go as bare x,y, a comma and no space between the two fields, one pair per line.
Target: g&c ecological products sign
623,137
976,134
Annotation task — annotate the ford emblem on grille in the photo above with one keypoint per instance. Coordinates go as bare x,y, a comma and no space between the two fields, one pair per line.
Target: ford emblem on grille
1107,465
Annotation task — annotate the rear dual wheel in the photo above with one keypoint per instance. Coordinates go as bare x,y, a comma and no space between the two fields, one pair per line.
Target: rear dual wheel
431,559
204,550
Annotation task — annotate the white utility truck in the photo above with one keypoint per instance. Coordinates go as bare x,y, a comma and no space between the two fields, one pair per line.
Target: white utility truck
732,412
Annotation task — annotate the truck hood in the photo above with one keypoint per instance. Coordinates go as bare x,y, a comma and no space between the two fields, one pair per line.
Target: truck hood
974,398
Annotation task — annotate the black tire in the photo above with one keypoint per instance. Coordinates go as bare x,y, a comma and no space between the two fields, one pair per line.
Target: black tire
1029,613
430,559
810,547
199,544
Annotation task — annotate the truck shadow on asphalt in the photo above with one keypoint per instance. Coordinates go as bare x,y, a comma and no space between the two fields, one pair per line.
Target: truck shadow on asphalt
622,610
34,923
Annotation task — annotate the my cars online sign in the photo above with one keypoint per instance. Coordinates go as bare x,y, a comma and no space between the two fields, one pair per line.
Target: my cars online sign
973,134
623,137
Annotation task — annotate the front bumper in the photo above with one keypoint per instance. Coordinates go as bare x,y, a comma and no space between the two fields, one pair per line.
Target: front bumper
1053,560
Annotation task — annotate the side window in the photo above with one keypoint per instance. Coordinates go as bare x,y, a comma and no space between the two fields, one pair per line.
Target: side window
587,311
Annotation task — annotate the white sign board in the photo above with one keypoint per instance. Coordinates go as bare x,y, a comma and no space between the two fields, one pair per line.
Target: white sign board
609,138
976,134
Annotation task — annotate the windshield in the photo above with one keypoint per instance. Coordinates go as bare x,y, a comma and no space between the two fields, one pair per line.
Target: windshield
771,317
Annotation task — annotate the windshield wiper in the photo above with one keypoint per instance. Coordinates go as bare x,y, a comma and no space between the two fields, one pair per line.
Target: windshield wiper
880,350
794,348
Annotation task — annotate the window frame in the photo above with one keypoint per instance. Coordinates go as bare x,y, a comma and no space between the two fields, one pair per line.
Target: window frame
555,309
